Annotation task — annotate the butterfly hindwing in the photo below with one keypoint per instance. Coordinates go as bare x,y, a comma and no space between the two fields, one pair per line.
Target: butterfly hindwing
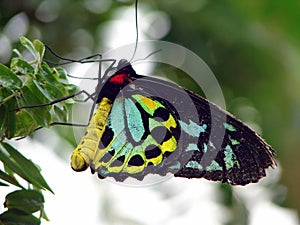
140,133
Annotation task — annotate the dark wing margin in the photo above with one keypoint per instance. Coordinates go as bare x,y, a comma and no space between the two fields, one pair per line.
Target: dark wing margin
242,157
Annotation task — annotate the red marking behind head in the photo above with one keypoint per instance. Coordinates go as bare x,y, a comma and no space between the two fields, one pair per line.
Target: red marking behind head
120,79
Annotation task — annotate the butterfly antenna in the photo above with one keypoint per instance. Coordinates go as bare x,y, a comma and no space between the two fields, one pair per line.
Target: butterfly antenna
137,30
88,59
148,56
59,57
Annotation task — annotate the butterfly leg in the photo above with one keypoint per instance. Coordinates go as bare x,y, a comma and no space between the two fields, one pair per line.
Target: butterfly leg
55,101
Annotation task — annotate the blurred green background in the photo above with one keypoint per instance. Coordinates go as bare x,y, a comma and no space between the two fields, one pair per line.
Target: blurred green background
253,48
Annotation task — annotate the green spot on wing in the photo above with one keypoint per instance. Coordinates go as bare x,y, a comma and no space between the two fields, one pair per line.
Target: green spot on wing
230,158
153,123
214,166
194,165
234,142
229,127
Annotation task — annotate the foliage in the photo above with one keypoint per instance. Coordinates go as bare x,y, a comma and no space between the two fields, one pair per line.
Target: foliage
41,85
27,83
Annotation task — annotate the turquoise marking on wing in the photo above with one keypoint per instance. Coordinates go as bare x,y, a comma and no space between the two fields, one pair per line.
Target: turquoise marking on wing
214,166
117,124
230,158
192,128
229,127
192,147
125,150
194,165
118,142
116,117
211,145
134,120
204,147
104,172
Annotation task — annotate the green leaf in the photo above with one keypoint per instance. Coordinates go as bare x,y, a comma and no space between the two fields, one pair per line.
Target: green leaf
16,217
9,79
56,77
6,129
10,179
44,215
40,114
25,124
12,165
7,118
47,74
72,88
60,113
35,87
42,85
29,46
23,167
39,48
20,66
51,91
62,74
17,53
28,201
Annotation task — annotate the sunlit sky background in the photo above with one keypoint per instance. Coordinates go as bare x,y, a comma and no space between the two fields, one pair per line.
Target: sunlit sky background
81,198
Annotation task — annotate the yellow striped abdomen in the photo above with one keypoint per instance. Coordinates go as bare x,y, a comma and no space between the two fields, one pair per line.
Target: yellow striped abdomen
88,145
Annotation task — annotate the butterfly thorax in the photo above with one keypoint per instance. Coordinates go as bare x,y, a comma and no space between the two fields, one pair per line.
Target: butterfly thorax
125,75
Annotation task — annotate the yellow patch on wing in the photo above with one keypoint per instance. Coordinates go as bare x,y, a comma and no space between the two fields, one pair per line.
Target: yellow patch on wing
171,122
169,145
148,104
152,105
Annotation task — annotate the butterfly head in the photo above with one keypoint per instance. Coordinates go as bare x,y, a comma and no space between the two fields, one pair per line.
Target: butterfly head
124,75
124,67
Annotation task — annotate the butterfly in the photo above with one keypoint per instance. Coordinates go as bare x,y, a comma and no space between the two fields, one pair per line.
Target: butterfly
145,125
